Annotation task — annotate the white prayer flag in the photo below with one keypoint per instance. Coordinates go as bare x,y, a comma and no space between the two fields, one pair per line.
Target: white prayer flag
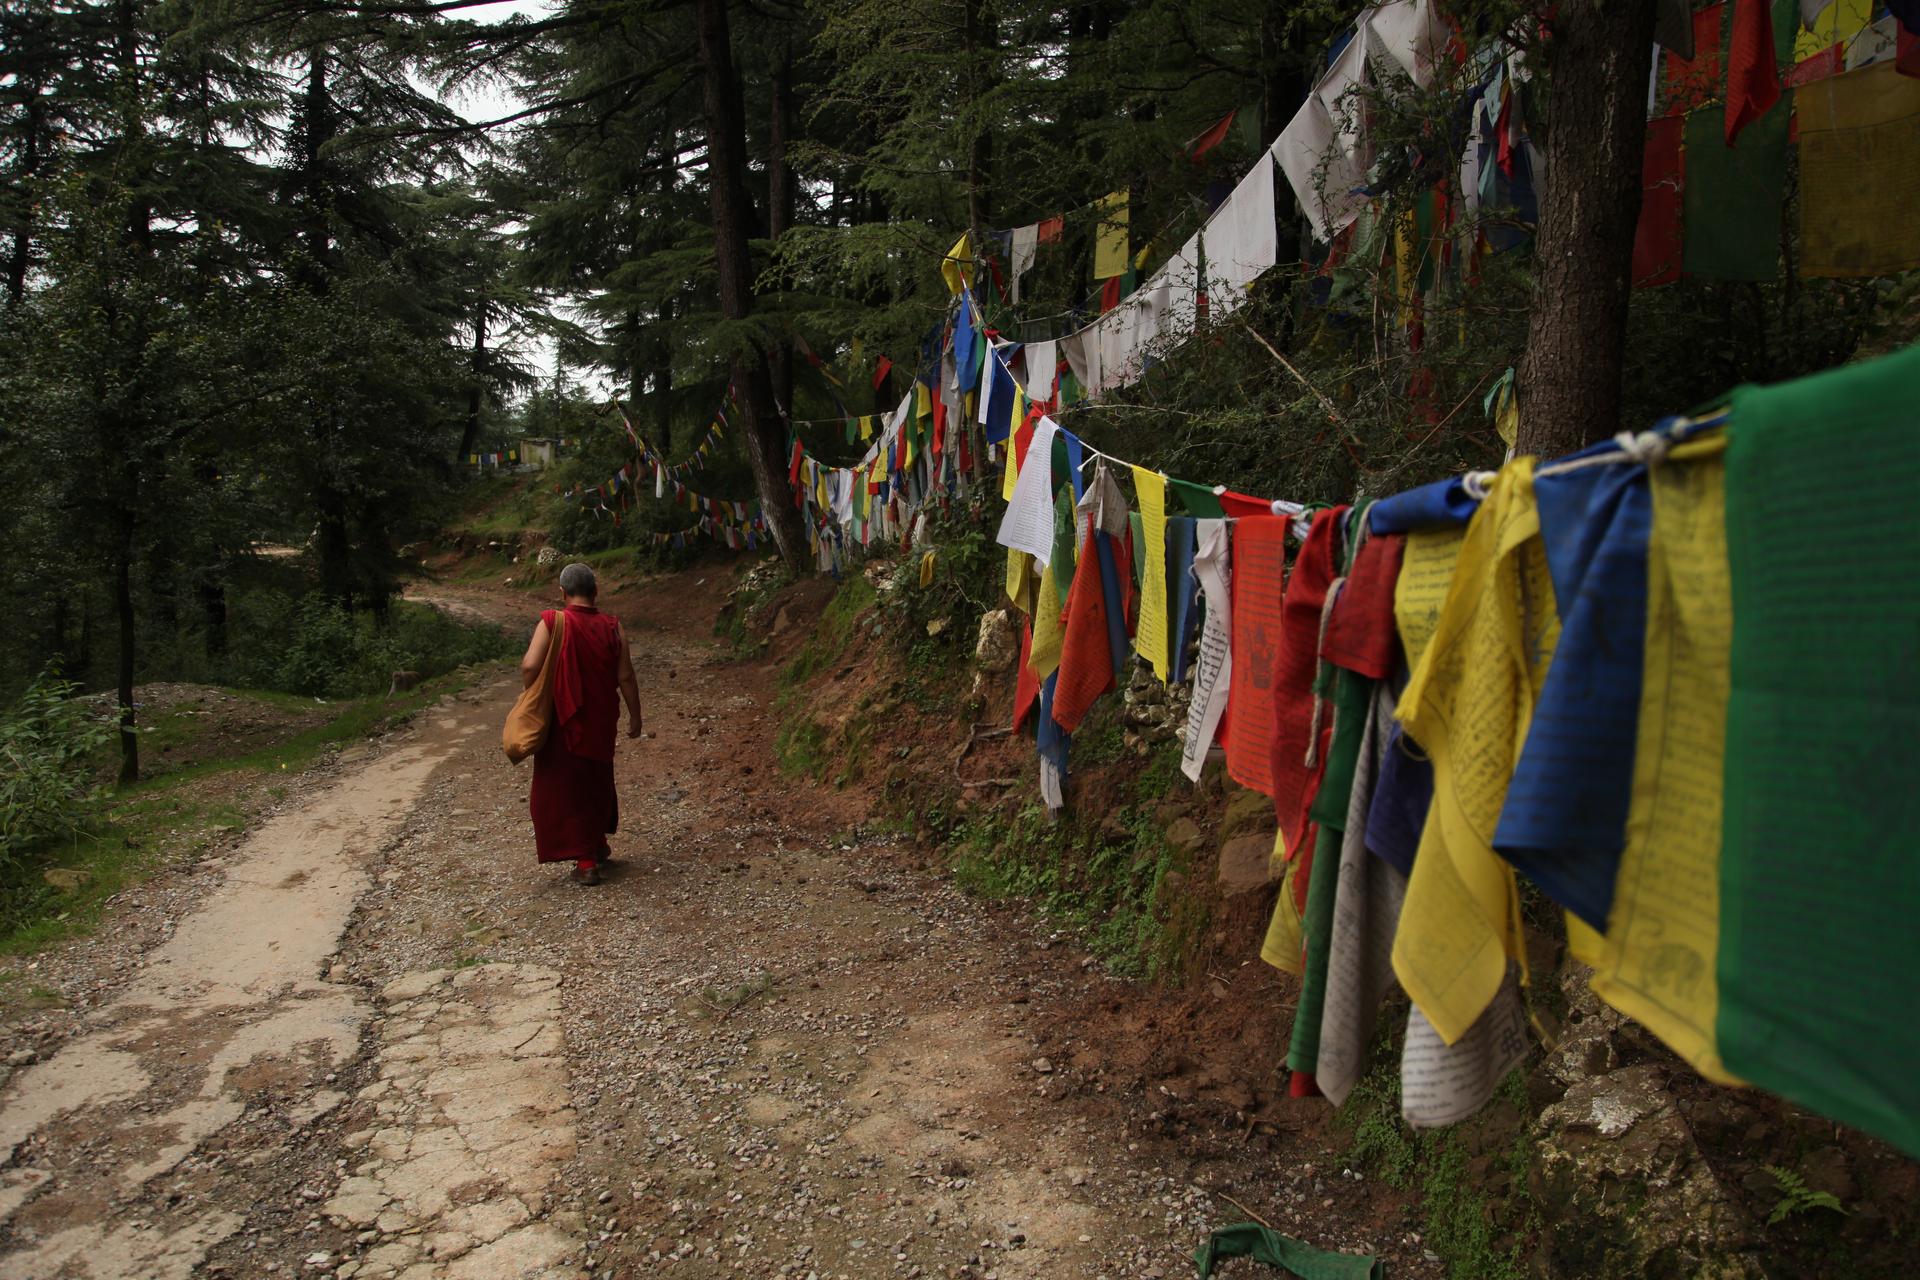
1028,522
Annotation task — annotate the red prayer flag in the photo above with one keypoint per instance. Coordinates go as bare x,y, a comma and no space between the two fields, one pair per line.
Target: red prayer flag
1240,506
1022,437
793,468
1360,633
1026,689
1753,77
1830,61
1295,782
1503,134
1198,148
1656,240
1109,294
1696,81
1259,577
880,372
1086,658
1050,230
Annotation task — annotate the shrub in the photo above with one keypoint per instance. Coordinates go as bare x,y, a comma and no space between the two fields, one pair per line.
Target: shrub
50,746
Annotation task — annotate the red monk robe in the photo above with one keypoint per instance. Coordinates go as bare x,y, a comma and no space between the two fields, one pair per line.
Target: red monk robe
573,801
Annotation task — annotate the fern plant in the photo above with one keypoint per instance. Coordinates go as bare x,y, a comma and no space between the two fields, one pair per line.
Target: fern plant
1796,1196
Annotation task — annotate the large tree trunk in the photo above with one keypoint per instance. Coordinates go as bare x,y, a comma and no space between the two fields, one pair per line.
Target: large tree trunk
123,610
780,202
334,546
1596,69
212,591
476,367
663,382
733,262
982,38
21,256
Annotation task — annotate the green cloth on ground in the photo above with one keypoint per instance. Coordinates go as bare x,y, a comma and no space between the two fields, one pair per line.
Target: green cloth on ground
1200,501
1818,879
1262,1244
1348,698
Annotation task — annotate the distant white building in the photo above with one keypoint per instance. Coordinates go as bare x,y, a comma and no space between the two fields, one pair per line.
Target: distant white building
537,452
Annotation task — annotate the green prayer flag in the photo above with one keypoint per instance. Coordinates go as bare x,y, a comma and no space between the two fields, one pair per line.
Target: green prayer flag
1423,216
1263,1244
1063,535
1818,879
1139,556
1200,501
1349,705
1734,195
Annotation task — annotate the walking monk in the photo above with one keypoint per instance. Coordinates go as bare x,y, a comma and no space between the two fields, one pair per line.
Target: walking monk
573,803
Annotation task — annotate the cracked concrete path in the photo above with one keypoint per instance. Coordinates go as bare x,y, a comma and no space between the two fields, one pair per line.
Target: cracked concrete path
230,1042
473,1123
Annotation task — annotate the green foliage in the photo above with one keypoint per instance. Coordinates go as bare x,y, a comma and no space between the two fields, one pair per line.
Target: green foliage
1383,1145
49,741
1463,1224
969,575
1796,1197
830,636
800,746
328,652
1108,885
1460,1227
735,625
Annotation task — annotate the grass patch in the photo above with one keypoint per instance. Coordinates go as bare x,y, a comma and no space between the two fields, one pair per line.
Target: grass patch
1107,884
734,626
350,720
853,601
138,833
1476,1236
801,746
60,891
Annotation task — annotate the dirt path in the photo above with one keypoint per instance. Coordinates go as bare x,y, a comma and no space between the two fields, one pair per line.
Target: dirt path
393,1045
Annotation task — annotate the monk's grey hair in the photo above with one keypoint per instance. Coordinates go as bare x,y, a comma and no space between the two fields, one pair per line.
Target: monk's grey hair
577,580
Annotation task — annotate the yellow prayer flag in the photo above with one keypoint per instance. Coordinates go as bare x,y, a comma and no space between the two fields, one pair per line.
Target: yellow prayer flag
1658,963
922,401
866,426
1840,20
1281,947
957,267
1406,264
1020,581
1859,151
1012,472
1049,627
1150,633
926,569
1426,571
1110,236
1468,704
